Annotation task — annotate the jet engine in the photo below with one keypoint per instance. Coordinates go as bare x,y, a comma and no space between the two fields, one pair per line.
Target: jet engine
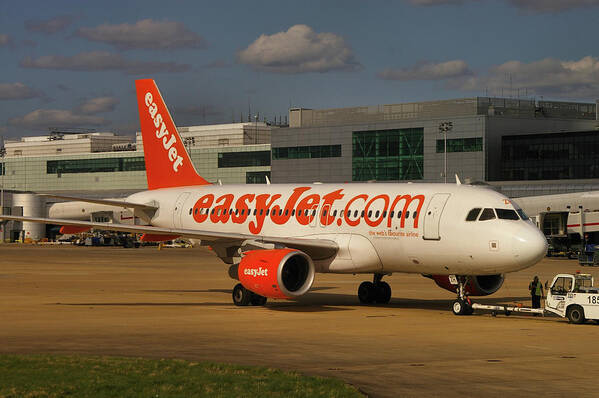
478,285
276,273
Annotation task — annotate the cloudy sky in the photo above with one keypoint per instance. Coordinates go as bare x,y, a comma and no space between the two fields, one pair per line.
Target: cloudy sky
73,63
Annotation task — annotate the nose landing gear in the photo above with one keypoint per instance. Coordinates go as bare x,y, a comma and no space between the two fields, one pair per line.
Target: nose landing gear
462,306
376,291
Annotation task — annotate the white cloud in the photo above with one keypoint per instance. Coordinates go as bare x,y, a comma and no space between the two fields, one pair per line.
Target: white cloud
17,91
97,105
551,77
44,118
427,71
299,50
51,25
101,61
542,6
144,34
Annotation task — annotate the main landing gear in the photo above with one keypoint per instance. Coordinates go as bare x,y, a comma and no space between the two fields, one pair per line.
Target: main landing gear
243,297
376,291
462,306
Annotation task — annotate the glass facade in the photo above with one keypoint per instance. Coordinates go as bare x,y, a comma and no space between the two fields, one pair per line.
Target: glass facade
385,155
243,159
461,145
256,177
1,169
550,156
99,165
307,152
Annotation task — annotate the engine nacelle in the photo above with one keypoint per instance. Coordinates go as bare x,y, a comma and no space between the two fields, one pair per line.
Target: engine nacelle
478,285
276,273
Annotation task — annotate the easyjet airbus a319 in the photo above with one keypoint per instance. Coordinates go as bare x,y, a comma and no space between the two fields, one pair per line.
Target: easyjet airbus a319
276,237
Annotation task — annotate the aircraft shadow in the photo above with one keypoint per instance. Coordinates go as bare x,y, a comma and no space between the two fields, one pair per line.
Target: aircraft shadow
313,301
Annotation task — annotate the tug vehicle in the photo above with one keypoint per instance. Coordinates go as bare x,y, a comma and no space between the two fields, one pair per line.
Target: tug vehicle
573,296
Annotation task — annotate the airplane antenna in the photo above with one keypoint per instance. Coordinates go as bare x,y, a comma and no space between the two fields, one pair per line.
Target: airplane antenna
457,180
267,180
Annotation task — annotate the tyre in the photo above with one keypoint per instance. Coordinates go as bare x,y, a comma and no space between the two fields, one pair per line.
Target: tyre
458,307
468,310
241,296
257,300
367,293
576,314
383,291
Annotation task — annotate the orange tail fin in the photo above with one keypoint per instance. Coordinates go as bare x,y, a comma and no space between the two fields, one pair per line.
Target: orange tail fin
167,162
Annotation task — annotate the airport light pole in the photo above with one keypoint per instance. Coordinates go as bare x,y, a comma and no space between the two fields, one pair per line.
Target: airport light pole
2,172
444,128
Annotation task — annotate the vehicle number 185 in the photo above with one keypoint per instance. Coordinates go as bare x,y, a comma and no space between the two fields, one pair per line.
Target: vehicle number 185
593,299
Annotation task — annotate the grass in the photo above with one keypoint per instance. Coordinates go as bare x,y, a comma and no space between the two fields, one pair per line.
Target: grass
36,376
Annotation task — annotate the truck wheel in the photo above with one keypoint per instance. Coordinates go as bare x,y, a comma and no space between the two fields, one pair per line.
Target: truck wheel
576,314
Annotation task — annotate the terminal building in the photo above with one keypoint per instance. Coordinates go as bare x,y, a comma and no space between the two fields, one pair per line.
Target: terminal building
520,147
523,147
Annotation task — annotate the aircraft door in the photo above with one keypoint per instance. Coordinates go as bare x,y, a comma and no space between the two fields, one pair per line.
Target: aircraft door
432,216
178,212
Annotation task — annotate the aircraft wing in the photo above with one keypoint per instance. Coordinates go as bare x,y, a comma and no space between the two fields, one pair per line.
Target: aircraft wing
109,202
316,248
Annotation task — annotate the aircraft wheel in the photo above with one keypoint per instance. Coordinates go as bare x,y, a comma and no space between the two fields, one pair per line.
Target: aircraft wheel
459,307
576,314
383,292
367,293
241,296
257,300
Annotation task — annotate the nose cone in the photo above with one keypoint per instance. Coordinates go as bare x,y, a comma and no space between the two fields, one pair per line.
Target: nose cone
529,246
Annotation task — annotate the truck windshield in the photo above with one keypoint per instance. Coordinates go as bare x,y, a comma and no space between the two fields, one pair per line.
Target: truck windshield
562,285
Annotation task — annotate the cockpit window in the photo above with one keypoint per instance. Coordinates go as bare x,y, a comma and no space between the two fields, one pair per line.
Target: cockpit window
522,214
507,214
473,214
487,214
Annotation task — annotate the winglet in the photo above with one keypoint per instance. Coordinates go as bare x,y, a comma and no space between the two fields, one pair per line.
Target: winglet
457,180
167,162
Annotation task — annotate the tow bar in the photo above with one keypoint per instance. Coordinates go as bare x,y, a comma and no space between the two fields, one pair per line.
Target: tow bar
507,310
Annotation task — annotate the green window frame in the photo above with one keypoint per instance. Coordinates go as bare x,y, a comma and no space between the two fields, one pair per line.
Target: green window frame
98,165
388,155
474,144
256,177
307,152
243,159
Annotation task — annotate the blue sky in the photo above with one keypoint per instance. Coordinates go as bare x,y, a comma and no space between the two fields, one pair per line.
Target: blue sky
73,63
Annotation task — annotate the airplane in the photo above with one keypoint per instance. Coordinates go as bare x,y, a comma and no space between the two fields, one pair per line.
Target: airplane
275,237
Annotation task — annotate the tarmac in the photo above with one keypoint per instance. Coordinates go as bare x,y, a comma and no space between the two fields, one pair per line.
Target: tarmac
176,303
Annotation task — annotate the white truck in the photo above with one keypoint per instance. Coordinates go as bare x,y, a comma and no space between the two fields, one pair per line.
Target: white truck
573,296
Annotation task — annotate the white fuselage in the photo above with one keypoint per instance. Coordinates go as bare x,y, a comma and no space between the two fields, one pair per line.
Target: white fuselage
429,236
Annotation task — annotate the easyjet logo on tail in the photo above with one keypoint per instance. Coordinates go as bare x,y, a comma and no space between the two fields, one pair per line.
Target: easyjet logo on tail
168,140
167,162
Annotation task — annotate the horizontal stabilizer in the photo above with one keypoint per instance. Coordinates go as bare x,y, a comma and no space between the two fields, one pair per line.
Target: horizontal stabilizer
108,202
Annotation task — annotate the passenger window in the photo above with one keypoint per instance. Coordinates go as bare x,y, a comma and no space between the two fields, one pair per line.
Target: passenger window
355,213
190,210
473,214
286,212
293,212
335,213
415,214
384,213
487,214
507,214
392,214
407,214
369,213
